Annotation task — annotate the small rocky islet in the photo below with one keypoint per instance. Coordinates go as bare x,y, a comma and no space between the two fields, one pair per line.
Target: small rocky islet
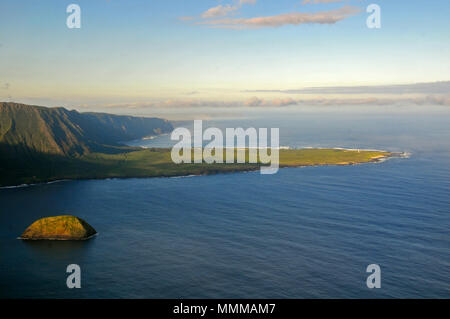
64,227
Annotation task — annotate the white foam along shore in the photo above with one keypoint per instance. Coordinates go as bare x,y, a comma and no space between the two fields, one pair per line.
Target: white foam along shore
396,154
35,184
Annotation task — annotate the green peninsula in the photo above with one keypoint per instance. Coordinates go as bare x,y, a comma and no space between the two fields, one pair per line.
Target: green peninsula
157,162
40,144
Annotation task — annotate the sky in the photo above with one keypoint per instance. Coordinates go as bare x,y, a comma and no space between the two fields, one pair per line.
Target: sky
132,54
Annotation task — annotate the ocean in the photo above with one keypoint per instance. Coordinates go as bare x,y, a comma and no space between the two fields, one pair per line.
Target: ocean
306,232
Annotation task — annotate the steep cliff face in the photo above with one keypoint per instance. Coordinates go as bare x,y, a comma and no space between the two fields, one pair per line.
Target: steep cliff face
64,227
109,129
25,129
34,129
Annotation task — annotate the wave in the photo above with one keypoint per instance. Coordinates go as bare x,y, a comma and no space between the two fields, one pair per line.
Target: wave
34,184
341,148
185,176
238,148
405,155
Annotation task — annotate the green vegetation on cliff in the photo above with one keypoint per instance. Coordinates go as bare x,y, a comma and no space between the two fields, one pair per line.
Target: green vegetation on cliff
27,130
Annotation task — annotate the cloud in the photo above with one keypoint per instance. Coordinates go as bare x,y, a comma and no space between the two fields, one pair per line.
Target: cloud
224,10
254,101
434,99
426,94
170,103
294,18
443,100
369,101
219,11
374,101
284,102
442,87
218,16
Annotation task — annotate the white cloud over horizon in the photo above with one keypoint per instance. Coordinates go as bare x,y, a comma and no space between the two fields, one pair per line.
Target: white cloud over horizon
256,102
293,18
432,93
440,87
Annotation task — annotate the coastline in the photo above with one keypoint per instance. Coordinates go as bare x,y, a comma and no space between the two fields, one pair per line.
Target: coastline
236,169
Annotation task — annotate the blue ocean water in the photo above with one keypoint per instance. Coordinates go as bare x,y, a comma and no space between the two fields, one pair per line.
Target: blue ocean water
302,233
